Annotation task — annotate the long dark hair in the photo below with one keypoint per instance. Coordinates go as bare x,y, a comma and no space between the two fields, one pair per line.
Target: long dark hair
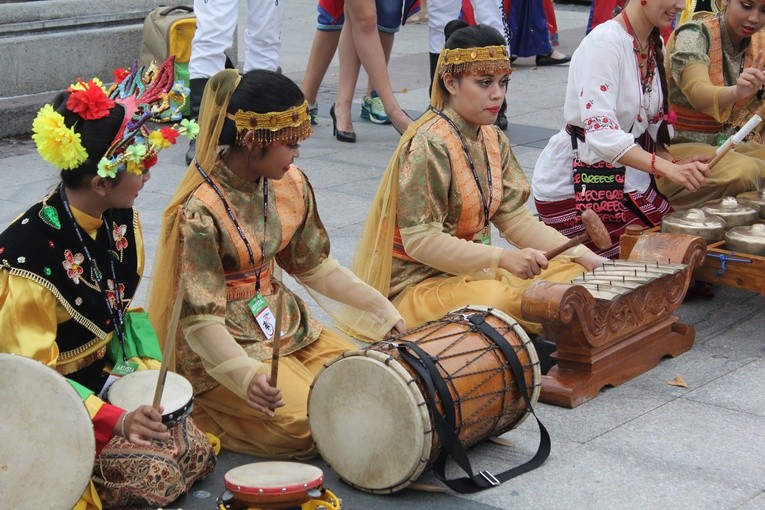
260,91
95,135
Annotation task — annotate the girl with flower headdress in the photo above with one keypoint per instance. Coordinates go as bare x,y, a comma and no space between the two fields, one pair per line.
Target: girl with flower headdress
716,83
427,241
242,213
70,266
613,150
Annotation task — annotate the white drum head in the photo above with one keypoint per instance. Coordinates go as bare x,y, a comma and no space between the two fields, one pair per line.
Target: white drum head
370,425
137,389
273,481
48,446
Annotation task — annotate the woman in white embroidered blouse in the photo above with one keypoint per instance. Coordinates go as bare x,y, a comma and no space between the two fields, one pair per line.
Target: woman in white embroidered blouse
615,115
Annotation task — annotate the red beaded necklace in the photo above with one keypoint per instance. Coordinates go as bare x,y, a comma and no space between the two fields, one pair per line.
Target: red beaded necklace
646,59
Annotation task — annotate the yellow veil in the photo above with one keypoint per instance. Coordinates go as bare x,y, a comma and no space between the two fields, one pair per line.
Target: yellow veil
165,281
373,257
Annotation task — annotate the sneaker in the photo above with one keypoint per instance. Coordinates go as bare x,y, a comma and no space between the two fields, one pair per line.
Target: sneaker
313,112
372,109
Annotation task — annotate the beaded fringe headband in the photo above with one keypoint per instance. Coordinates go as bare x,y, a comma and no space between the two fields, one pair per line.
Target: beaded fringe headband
483,60
293,124
146,94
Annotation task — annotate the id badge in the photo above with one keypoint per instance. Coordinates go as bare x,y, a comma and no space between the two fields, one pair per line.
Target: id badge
720,140
119,370
263,316
486,237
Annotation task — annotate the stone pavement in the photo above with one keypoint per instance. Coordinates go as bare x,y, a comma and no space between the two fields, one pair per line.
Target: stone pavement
645,444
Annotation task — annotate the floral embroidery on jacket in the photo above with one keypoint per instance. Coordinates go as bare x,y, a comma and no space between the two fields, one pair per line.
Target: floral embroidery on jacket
120,242
111,295
598,123
73,265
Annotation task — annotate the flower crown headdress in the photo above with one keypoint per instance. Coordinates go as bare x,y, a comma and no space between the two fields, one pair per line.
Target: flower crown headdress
291,124
145,94
485,59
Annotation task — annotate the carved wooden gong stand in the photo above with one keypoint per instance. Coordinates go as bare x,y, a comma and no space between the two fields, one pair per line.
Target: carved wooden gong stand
607,342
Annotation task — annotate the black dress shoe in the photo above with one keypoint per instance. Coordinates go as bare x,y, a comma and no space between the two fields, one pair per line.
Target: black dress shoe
342,136
548,60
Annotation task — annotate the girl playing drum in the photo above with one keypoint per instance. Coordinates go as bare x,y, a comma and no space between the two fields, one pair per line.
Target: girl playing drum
241,209
70,267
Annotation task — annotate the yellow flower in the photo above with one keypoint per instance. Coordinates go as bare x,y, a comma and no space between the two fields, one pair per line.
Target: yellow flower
157,140
135,168
58,144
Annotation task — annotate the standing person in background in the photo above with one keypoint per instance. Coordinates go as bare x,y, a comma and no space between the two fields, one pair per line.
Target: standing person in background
360,44
716,83
329,24
241,209
70,268
614,145
216,22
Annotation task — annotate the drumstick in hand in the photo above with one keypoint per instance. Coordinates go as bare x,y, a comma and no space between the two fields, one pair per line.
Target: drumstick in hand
169,344
277,342
595,230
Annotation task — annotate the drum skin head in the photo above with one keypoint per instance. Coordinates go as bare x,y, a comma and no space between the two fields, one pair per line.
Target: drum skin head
48,446
264,482
136,389
368,423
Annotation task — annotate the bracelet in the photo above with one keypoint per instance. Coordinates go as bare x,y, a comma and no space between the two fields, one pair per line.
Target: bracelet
122,425
653,166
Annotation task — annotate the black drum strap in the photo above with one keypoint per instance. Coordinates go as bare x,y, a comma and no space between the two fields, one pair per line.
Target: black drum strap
445,426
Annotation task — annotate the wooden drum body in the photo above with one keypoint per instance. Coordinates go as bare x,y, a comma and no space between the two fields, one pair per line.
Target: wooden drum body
137,389
47,445
370,413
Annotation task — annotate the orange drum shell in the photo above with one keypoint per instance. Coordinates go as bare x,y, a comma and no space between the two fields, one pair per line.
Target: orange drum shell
465,374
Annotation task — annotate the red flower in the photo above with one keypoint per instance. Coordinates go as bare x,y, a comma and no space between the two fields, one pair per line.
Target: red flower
170,134
89,101
149,161
120,74
603,88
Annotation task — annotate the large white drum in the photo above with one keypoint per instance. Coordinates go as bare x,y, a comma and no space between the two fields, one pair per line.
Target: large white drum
370,413
47,445
137,389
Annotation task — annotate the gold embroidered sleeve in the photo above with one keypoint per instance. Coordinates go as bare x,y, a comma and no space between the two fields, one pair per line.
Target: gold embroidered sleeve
424,183
201,262
310,244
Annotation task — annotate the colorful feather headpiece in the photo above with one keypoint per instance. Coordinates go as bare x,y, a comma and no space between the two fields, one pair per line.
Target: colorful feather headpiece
146,94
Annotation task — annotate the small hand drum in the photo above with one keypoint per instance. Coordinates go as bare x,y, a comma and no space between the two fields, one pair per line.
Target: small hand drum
276,485
137,389
47,445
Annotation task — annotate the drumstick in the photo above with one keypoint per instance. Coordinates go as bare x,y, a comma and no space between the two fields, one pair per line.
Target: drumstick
595,230
277,336
169,344
738,137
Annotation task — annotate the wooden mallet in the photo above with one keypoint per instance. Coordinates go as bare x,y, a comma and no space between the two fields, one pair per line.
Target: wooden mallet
595,231
167,352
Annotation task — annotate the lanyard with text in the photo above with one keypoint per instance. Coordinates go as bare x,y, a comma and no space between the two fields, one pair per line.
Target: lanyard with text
258,304
485,237
95,274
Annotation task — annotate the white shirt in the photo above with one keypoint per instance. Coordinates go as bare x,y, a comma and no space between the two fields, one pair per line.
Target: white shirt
604,96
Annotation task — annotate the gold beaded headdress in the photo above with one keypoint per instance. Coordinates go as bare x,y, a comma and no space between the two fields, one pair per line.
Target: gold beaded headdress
482,60
293,124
